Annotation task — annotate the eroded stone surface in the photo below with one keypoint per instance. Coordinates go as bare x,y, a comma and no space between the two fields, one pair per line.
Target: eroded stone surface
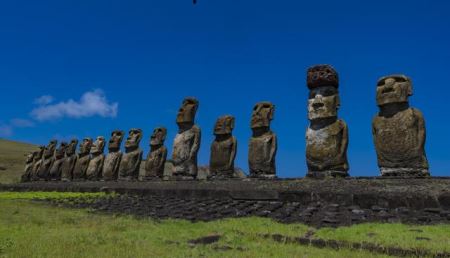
131,159
28,170
58,160
156,158
263,143
69,161
223,149
112,160
94,170
82,161
398,130
326,136
47,160
187,141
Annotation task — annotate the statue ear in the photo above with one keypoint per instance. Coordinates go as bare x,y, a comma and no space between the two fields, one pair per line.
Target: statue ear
232,123
410,91
338,101
272,112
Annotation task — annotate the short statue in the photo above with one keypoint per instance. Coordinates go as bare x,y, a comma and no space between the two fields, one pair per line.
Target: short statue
326,136
69,161
37,161
223,149
398,130
26,176
82,162
263,143
131,159
156,158
55,170
112,160
94,170
47,160
187,141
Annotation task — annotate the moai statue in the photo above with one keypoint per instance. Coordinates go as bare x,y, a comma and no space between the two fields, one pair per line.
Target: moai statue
58,160
112,160
131,159
263,143
156,158
37,161
47,160
28,167
82,162
223,149
326,136
398,130
69,161
94,170
187,141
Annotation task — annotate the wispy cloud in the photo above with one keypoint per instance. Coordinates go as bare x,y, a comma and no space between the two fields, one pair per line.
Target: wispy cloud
19,122
43,100
91,103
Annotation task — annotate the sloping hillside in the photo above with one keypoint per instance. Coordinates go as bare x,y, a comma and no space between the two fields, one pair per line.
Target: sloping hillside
12,159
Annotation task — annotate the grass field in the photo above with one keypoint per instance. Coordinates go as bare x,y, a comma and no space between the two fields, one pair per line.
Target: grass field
12,160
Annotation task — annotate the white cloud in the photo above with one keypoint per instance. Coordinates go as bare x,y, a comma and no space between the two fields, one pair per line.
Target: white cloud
19,122
5,130
91,103
43,100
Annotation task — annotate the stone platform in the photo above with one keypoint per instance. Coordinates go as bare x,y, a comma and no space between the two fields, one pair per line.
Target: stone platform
317,202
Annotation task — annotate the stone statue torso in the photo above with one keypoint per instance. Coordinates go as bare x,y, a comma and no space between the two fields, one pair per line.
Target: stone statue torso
324,146
55,170
94,170
221,152
81,164
130,163
260,160
111,165
183,147
154,165
67,167
397,140
45,168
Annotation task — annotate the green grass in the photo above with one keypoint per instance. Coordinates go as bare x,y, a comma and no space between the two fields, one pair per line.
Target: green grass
35,230
12,160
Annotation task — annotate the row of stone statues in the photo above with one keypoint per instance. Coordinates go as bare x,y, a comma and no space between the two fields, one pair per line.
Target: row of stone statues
398,133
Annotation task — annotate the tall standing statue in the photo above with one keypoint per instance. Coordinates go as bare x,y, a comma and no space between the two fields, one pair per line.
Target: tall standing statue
263,143
326,136
223,149
112,160
82,162
94,170
69,161
187,141
131,159
27,173
47,160
398,130
58,160
156,158
37,161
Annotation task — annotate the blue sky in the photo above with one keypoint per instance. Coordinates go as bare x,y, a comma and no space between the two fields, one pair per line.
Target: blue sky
134,62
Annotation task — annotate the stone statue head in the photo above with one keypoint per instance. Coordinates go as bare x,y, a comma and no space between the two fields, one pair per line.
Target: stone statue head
262,114
50,149
39,153
59,153
115,140
30,157
98,146
393,89
134,137
72,147
224,125
85,146
187,111
323,102
322,75
158,136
